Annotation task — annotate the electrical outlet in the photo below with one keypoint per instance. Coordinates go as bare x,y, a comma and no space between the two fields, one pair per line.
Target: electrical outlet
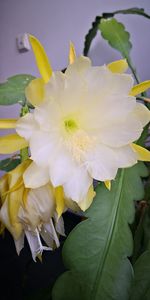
23,44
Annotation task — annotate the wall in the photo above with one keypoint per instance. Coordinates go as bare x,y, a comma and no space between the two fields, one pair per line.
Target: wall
57,22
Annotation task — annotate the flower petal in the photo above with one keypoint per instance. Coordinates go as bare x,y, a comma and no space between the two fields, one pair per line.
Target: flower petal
7,123
26,126
35,92
108,184
35,176
119,66
80,65
120,134
72,53
140,88
41,59
11,143
142,113
78,185
59,198
142,153
88,199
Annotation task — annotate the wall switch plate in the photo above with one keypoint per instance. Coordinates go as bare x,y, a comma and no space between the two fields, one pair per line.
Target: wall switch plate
23,44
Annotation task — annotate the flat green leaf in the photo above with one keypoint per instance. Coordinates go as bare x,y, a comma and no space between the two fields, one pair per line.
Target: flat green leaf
97,250
13,90
9,164
94,28
116,35
141,285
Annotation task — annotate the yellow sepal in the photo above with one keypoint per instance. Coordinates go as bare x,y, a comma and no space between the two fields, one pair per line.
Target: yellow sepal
108,184
41,58
87,201
72,53
143,154
60,201
11,143
7,123
119,66
35,92
140,88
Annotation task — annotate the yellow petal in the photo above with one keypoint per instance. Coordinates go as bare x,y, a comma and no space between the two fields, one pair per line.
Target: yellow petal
143,154
11,143
108,184
72,53
41,58
59,198
119,66
3,187
35,92
14,202
7,123
87,201
140,88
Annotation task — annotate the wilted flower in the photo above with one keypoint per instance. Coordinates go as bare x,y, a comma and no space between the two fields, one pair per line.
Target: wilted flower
84,128
30,212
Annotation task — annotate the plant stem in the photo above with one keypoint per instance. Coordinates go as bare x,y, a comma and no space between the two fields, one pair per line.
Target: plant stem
133,70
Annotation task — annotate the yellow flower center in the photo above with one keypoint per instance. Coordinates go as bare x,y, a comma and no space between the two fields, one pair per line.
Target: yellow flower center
70,125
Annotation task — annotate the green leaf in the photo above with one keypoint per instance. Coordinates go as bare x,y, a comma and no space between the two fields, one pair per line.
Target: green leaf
93,30
13,90
116,35
141,284
9,164
97,250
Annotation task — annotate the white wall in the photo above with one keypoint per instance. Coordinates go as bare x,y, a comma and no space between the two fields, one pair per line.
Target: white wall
57,22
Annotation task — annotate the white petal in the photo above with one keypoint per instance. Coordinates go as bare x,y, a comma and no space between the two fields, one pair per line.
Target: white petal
59,224
77,186
102,81
101,163
52,232
35,244
42,146
121,133
125,156
26,126
35,176
19,243
80,65
142,113
61,167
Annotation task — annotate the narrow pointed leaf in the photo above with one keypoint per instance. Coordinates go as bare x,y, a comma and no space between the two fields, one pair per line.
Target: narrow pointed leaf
116,35
97,250
13,90
91,35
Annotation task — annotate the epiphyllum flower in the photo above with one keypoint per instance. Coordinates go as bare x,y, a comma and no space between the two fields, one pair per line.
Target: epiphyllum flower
83,124
30,212
84,128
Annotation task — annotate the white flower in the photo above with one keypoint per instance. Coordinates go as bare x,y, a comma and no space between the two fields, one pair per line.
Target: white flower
83,129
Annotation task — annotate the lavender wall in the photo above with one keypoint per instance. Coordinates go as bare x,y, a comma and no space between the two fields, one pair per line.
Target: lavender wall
57,22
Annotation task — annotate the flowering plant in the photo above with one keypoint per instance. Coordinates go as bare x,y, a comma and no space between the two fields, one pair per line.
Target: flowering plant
84,124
